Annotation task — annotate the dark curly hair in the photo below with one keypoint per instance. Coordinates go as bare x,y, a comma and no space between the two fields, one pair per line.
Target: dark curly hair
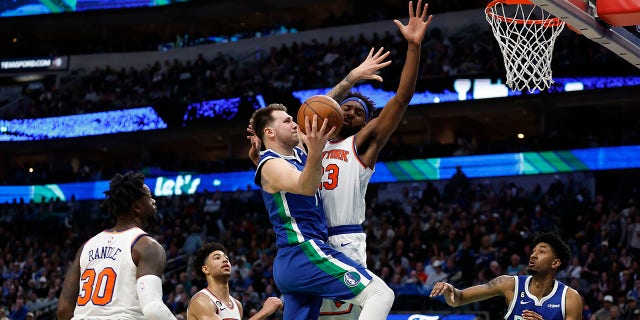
124,189
201,255
559,247
371,106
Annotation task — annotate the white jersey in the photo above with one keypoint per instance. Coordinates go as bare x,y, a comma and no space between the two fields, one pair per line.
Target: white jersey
344,186
108,277
225,311
344,183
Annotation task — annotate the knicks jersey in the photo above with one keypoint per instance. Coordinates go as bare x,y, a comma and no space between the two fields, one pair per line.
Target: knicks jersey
551,307
108,277
295,218
225,311
344,183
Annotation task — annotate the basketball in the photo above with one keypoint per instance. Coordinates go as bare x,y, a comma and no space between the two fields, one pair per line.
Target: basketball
324,107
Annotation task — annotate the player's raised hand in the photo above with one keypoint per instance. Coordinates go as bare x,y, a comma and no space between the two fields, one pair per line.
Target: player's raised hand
416,28
368,69
317,134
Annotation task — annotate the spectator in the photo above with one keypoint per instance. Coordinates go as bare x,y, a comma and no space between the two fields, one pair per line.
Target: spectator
605,313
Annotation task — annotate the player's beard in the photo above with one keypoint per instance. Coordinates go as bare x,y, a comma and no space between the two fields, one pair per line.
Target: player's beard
532,272
349,131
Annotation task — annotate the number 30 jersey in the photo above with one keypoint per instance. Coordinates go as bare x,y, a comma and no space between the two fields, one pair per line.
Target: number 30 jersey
108,277
344,183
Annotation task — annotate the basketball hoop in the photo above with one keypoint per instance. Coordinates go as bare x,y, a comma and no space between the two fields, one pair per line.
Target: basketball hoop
526,35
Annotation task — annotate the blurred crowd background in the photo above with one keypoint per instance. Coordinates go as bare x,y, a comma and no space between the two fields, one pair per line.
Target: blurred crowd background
465,232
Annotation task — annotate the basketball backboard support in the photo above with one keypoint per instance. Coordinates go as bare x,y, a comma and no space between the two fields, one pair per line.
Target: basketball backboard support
582,17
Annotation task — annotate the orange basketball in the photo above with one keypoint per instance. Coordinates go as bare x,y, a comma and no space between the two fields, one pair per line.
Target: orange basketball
324,107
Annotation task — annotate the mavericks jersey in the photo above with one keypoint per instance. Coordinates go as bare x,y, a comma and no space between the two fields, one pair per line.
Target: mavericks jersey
344,183
295,218
551,307
108,277
225,311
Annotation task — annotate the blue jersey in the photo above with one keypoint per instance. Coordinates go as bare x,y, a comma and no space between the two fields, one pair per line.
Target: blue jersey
306,268
295,218
551,307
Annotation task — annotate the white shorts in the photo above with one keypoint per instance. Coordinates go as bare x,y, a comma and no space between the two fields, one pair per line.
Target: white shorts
353,245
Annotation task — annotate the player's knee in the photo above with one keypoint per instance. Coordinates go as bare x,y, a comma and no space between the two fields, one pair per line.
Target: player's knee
377,292
387,295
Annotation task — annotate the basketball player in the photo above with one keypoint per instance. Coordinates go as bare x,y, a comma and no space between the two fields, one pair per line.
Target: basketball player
116,274
349,160
534,297
215,299
306,268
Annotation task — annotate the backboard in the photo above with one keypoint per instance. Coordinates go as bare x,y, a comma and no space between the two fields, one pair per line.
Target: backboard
582,16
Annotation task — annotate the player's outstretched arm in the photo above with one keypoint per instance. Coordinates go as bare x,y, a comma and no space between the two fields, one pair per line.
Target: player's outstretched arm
500,286
70,290
377,132
367,70
279,175
271,305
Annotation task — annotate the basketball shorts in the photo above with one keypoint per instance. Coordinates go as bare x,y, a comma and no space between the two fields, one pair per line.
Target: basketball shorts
314,269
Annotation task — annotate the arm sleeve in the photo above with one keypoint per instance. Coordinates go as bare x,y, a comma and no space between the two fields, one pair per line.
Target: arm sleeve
150,295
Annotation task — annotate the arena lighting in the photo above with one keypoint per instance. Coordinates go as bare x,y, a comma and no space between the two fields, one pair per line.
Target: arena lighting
98,123
462,89
481,166
28,8
131,120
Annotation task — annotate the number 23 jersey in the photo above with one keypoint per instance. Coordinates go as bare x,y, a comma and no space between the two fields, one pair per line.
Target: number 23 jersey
344,183
108,277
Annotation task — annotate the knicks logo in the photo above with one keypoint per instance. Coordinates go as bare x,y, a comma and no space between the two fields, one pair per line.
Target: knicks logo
351,279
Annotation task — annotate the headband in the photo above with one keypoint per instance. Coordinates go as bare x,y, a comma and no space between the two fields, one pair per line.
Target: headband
360,101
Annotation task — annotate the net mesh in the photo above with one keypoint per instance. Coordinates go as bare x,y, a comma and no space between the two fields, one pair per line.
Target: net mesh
526,35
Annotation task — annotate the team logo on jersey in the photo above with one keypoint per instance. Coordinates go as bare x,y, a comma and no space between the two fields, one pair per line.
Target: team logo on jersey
351,279
219,304
553,305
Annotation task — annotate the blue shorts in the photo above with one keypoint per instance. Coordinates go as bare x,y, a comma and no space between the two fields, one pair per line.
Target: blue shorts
313,270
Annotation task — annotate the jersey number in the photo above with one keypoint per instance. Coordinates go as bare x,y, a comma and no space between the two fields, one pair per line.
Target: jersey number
332,177
97,289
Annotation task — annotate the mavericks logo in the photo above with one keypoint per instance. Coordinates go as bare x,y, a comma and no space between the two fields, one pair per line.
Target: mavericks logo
351,279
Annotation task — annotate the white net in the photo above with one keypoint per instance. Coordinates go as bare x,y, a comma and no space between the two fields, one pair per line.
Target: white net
526,35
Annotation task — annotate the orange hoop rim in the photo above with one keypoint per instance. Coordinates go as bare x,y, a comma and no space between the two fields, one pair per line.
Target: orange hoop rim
551,22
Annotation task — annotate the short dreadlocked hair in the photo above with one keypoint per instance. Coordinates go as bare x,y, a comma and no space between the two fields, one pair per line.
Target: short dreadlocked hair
559,247
204,252
123,191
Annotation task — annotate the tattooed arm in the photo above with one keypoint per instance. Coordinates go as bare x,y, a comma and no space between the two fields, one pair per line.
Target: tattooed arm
367,70
499,286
